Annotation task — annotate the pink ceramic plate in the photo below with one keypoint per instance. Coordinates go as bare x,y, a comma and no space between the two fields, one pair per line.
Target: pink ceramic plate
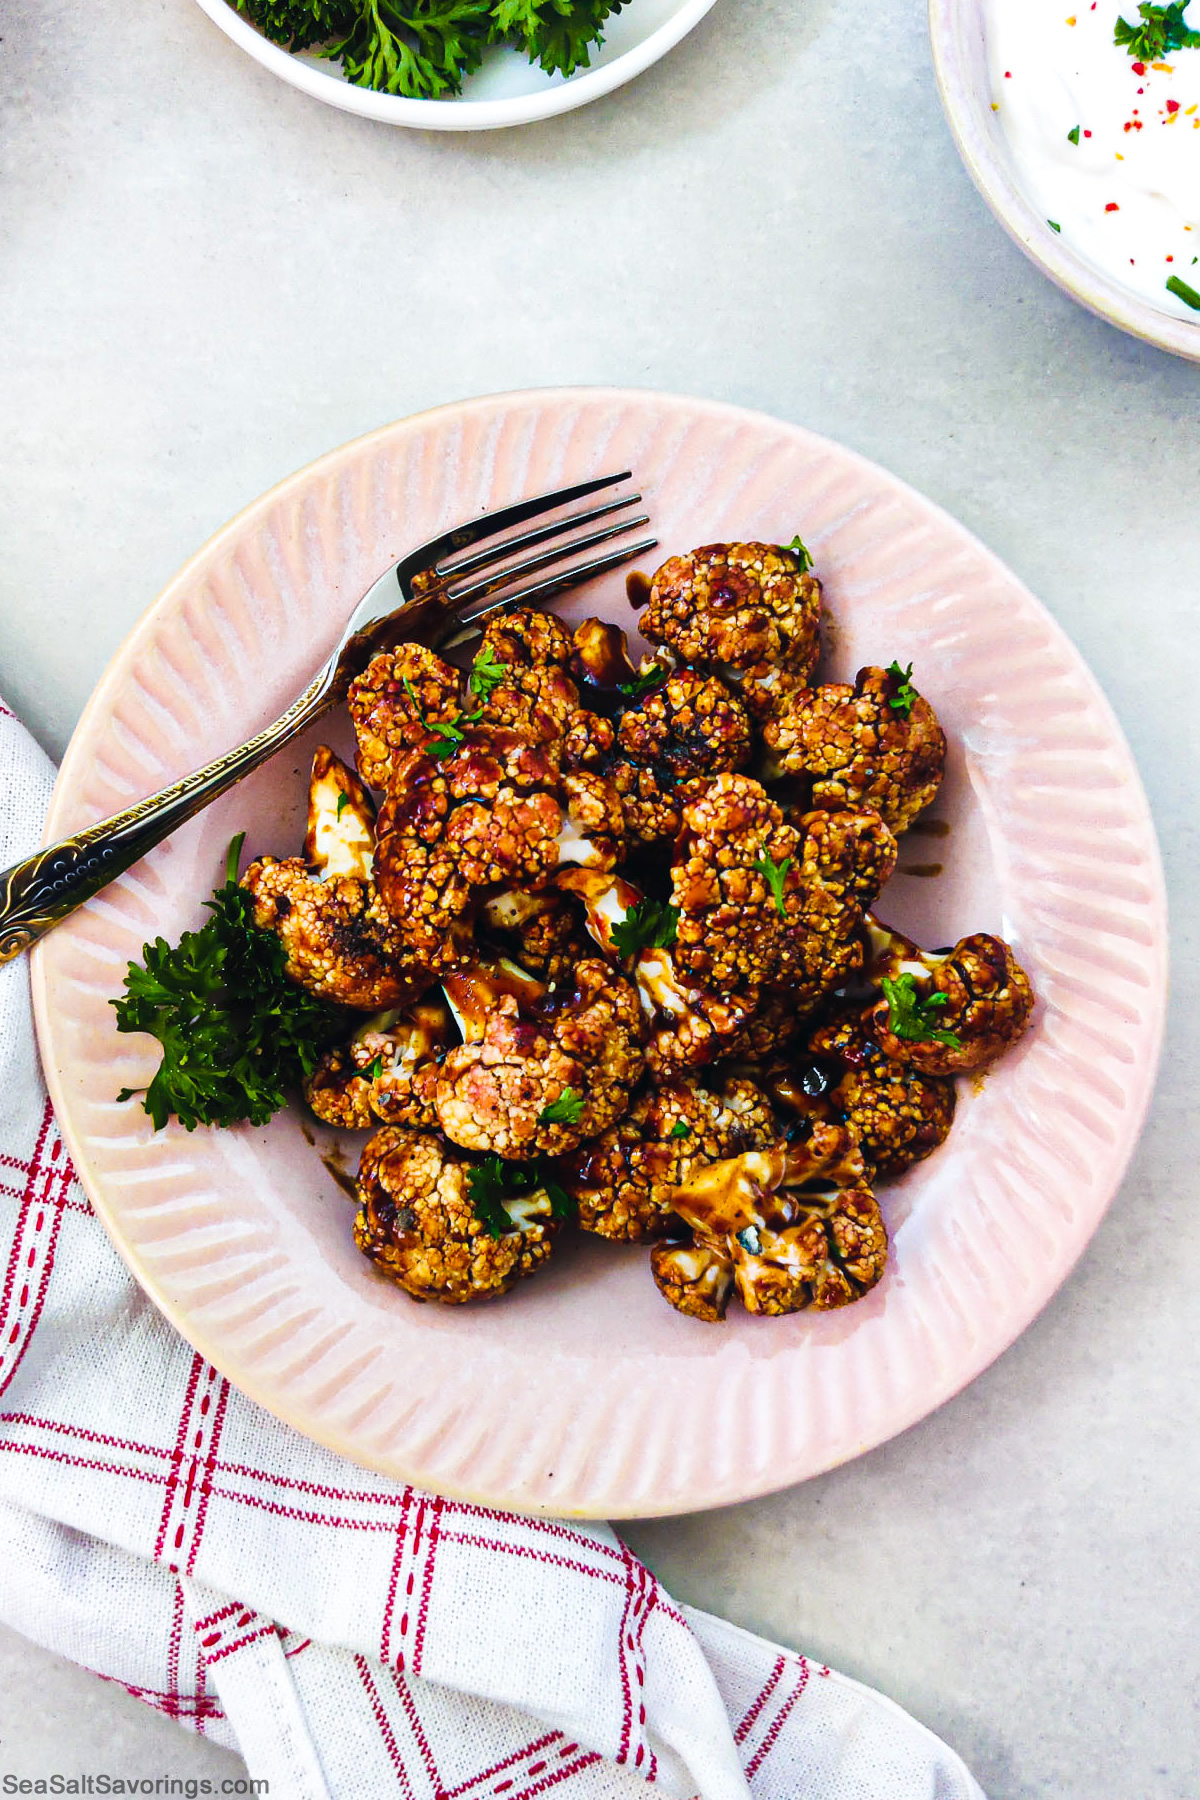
583,1392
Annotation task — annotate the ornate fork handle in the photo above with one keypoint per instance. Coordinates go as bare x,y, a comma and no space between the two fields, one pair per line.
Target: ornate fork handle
37,893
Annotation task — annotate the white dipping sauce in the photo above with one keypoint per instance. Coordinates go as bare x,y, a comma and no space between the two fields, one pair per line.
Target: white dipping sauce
1127,196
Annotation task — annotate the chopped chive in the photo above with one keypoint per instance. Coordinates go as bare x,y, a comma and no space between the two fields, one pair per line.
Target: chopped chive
1187,294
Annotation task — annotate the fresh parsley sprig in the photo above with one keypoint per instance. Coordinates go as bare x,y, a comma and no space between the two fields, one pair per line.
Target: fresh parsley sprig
492,1180
680,1129
650,925
775,874
902,700
800,551
566,1110
1161,31
644,684
912,1018
487,674
237,1036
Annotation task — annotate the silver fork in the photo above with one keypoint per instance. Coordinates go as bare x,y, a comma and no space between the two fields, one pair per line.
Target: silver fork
444,595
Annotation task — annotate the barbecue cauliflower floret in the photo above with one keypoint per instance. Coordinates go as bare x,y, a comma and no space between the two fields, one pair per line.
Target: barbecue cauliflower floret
494,816
542,932
689,1024
876,745
621,1179
421,1225
951,1012
689,726
600,659
750,612
843,861
790,1228
397,705
385,1072
520,677
324,907
735,887
899,1115
539,1071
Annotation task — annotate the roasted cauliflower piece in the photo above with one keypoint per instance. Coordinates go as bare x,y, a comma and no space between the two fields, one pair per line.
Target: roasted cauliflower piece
843,861
749,612
689,726
621,1179
689,1025
600,659
397,704
521,678
386,1072
339,940
735,888
423,1226
876,746
544,933
494,816
950,1012
790,1228
898,1114
538,1070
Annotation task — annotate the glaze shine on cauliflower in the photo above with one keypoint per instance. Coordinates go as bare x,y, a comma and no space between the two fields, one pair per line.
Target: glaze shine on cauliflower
589,943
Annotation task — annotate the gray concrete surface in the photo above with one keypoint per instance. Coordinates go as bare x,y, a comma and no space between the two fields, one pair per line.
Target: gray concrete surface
208,279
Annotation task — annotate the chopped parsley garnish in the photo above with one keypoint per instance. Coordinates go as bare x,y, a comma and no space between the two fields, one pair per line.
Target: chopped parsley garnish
486,675
1053,226
650,925
775,875
680,1129
375,1070
492,1180
902,700
800,551
343,803
645,683
1162,30
566,1110
1073,135
237,1036
912,1018
1187,294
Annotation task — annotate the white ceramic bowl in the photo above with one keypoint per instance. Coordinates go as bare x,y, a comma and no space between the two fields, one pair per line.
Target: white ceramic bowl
508,90
957,33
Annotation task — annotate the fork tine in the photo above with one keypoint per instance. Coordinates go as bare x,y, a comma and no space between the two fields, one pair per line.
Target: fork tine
543,590
473,531
495,553
460,598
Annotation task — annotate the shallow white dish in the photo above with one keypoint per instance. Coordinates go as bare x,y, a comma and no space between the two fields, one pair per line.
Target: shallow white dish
957,34
508,90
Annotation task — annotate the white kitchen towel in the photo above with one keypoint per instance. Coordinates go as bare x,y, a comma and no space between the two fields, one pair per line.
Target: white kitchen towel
351,1636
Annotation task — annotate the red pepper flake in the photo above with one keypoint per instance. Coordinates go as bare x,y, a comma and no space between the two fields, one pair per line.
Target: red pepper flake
1087,134
1112,207
1008,74
1139,68
1170,259
1172,106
